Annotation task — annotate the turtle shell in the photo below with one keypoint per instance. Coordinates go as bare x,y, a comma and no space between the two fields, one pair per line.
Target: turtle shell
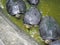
48,28
33,2
15,7
32,16
57,42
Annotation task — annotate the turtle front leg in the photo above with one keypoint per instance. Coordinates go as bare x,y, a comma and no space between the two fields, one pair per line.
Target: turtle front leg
47,41
17,15
28,26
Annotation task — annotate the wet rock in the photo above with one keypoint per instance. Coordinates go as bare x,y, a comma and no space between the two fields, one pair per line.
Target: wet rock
32,16
55,43
48,29
15,7
33,2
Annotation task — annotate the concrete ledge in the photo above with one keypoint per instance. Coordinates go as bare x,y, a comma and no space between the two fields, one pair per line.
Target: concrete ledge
10,34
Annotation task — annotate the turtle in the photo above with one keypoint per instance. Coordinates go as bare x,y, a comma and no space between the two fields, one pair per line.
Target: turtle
48,29
57,42
32,17
33,2
15,7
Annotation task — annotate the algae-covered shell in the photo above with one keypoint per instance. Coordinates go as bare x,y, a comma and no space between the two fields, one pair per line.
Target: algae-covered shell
15,7
48,28
57,42
32,16
33,2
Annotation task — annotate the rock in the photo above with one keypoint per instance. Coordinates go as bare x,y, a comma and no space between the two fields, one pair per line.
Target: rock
15,7
48,29
32,16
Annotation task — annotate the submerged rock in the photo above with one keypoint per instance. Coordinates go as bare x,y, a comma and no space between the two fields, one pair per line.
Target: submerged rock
32,16
55,43
48,29
33,2
15,7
